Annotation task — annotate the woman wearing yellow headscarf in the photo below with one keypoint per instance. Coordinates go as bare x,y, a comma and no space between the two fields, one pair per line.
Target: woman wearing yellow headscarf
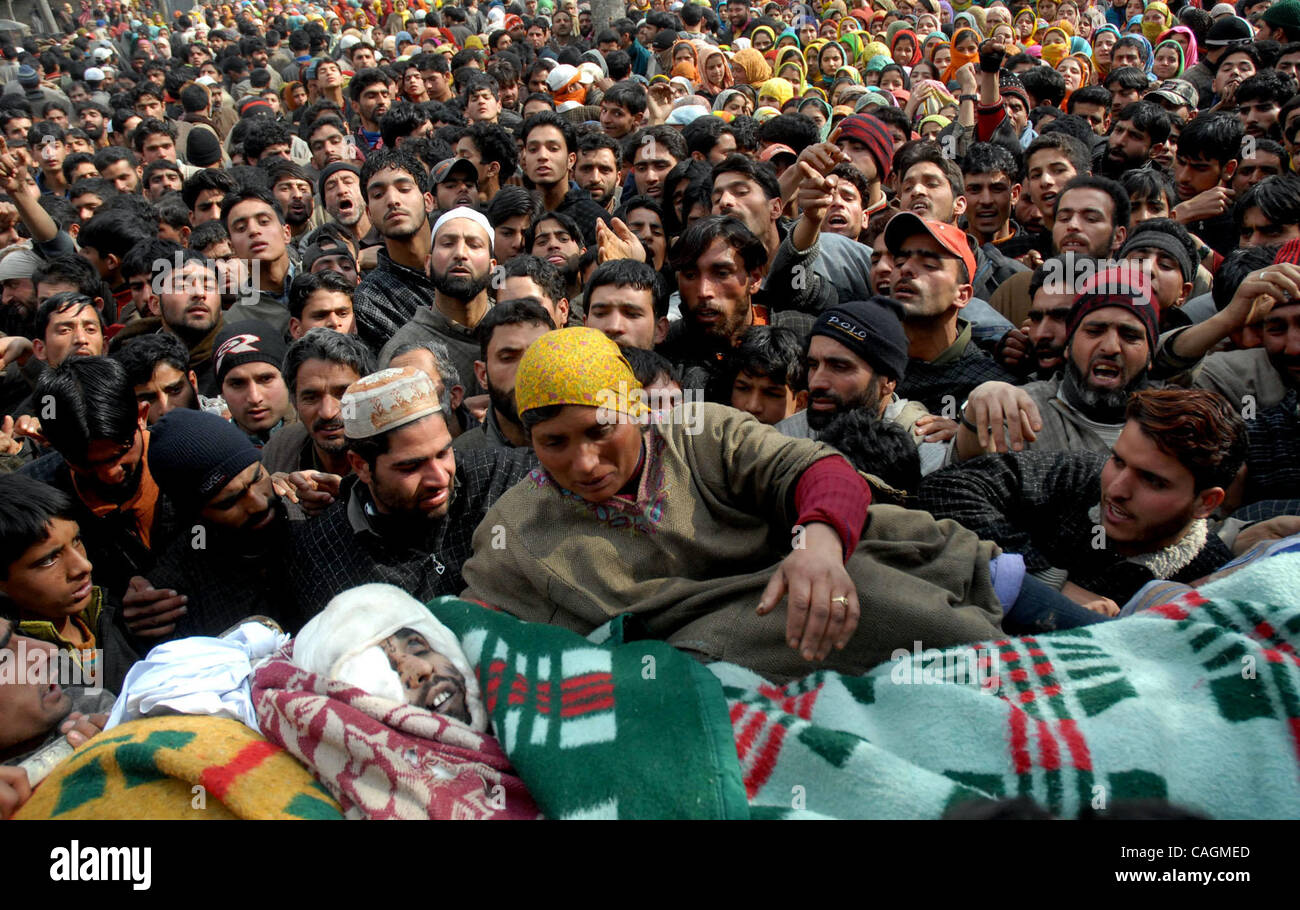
763,40
1056,44
757,70
965,49
775,93
1156,20
790,68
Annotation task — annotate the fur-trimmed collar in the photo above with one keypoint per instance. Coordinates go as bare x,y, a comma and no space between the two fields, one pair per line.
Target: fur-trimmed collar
1169,561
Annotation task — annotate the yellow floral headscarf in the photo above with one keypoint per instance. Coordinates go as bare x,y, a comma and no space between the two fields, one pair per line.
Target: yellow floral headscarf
577,366
778,88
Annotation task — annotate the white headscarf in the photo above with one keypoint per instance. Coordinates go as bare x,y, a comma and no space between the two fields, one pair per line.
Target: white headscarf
342,642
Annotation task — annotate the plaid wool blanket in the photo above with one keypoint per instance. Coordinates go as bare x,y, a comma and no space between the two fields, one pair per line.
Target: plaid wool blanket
383,759
1195,701
606,727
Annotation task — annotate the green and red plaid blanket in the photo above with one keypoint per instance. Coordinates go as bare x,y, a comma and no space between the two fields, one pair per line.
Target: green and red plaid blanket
1196,701
616,729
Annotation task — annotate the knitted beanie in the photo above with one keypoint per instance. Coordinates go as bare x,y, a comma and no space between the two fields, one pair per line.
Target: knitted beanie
194,454
872,329
871,132
1122,287
202,148
330,170
1165,243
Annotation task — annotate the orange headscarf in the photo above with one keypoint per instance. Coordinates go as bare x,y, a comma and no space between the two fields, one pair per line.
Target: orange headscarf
728,79
960,58
757,70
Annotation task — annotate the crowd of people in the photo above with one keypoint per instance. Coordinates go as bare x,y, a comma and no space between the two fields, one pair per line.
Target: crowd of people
803,332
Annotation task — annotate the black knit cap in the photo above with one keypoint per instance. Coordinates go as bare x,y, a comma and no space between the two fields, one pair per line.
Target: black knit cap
249,341
872,329
194,454
329,171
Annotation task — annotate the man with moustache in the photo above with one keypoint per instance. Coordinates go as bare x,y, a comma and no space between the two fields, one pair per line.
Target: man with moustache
311,454
340,194
1112,336
504,334
406,516
224,495
460,271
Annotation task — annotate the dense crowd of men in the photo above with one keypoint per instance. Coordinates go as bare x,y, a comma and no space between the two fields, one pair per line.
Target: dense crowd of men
694,314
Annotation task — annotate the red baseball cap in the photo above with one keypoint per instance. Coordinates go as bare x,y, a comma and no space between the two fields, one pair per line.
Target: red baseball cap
949,236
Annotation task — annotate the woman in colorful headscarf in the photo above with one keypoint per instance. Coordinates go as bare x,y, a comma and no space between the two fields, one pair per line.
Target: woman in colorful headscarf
1169,62
756,69
904,48
1103,40
733,102
894,80
715,74
787,38
1025,24
871,74
932,125
819,112
293,96
1056,44
1186,39
965,49
775,93
763,40
1076,70
685,52
854,48
924,71
791,69
1069,12
1006,33
1156,20
1134,25
932,40
829,59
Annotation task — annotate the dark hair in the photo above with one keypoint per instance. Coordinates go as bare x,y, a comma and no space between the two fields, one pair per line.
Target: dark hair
700,236
1276,197
206,179
107,157
920,151
1268,147
630,96
278,169
631,274
510,202
263,133
397,159
194,98
760,172
662,134
1235,267
1125,78
74,161
308,283
544,275
401,120
1044,84
649,365
568,222
1149,118
66,301
495,144
521,311
1268,85
258,193
771,351
878,447
1075,151
308,127
113,232
550,118
363,80
208,233
794,129
990,158
1118,196
139,356
329,345
702,134
90,399
619,64
71,269
27,507
1196,426
1144,183
172,211
1216,137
